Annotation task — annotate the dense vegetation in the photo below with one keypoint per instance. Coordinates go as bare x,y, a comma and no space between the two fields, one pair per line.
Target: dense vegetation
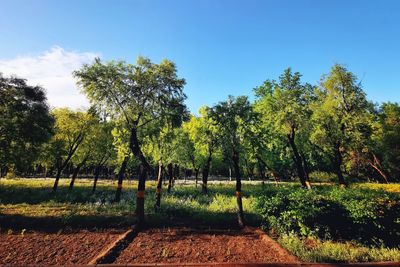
139,117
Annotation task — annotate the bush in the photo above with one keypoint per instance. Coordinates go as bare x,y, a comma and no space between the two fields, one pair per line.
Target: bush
328,212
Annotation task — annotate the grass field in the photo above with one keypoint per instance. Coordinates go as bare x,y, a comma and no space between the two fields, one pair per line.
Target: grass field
287,212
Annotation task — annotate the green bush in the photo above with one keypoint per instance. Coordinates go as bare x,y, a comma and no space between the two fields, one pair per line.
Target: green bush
368,216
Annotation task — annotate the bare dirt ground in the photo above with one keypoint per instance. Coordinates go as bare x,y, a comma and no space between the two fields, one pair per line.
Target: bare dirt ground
183,245
52,248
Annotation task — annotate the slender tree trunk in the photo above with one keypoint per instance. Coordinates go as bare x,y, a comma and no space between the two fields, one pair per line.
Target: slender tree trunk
186,176
206,171
235,159
376,164
159,186
55,186
75,174
196,173
261,170
383,175
176,173
306,171
170,177
297,158
338,159
96,177
121,179
61,167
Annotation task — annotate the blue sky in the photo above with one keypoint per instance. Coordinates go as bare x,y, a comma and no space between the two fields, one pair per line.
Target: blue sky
220,47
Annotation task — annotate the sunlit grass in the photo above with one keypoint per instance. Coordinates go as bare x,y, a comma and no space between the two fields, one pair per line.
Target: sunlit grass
328,251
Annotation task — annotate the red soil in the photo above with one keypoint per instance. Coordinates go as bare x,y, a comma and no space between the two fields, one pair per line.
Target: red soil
52,249
181,245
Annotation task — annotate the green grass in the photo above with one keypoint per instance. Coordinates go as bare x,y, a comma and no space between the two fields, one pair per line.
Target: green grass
32,198
26,203
315,250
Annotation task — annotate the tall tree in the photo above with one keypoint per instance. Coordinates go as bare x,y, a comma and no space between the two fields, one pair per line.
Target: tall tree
285,106
71,128
381,149
25,123
204,135
142,93
339,116
103,150
232,117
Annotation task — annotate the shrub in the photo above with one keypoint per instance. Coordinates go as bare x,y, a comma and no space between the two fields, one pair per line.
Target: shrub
368,216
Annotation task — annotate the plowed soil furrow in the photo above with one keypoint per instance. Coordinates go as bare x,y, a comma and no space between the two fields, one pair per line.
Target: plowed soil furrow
52,249
182,245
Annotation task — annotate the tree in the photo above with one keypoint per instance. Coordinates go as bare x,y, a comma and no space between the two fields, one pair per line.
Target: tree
25,123
204,136
389,119
232,117
143,93
71,128
380,149
340,114
284,105
102,150
123,154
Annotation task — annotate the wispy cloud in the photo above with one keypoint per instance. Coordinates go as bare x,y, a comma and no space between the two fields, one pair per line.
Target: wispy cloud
52,70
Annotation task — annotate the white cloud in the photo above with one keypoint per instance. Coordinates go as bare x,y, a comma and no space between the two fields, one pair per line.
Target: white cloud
52,70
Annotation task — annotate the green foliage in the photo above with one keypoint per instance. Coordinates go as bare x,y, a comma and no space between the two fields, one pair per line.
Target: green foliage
368,216
285,115
25,123
386,138
70,130
203,136
341,116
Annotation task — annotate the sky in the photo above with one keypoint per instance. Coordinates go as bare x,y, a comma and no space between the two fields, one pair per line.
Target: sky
221,47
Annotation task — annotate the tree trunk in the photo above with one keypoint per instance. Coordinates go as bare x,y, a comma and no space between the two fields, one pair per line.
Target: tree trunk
196,173
75,174
140,194
261,170
297,158
338,159
176,173
376,164
159,186
61,167
235,159
306,171
144,168
55,186
121,178
206,171
170,177
96,177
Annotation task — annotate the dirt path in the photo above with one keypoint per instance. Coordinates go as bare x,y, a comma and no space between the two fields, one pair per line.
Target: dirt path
184,245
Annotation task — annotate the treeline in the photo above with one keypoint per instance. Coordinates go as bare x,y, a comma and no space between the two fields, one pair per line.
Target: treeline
139,125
